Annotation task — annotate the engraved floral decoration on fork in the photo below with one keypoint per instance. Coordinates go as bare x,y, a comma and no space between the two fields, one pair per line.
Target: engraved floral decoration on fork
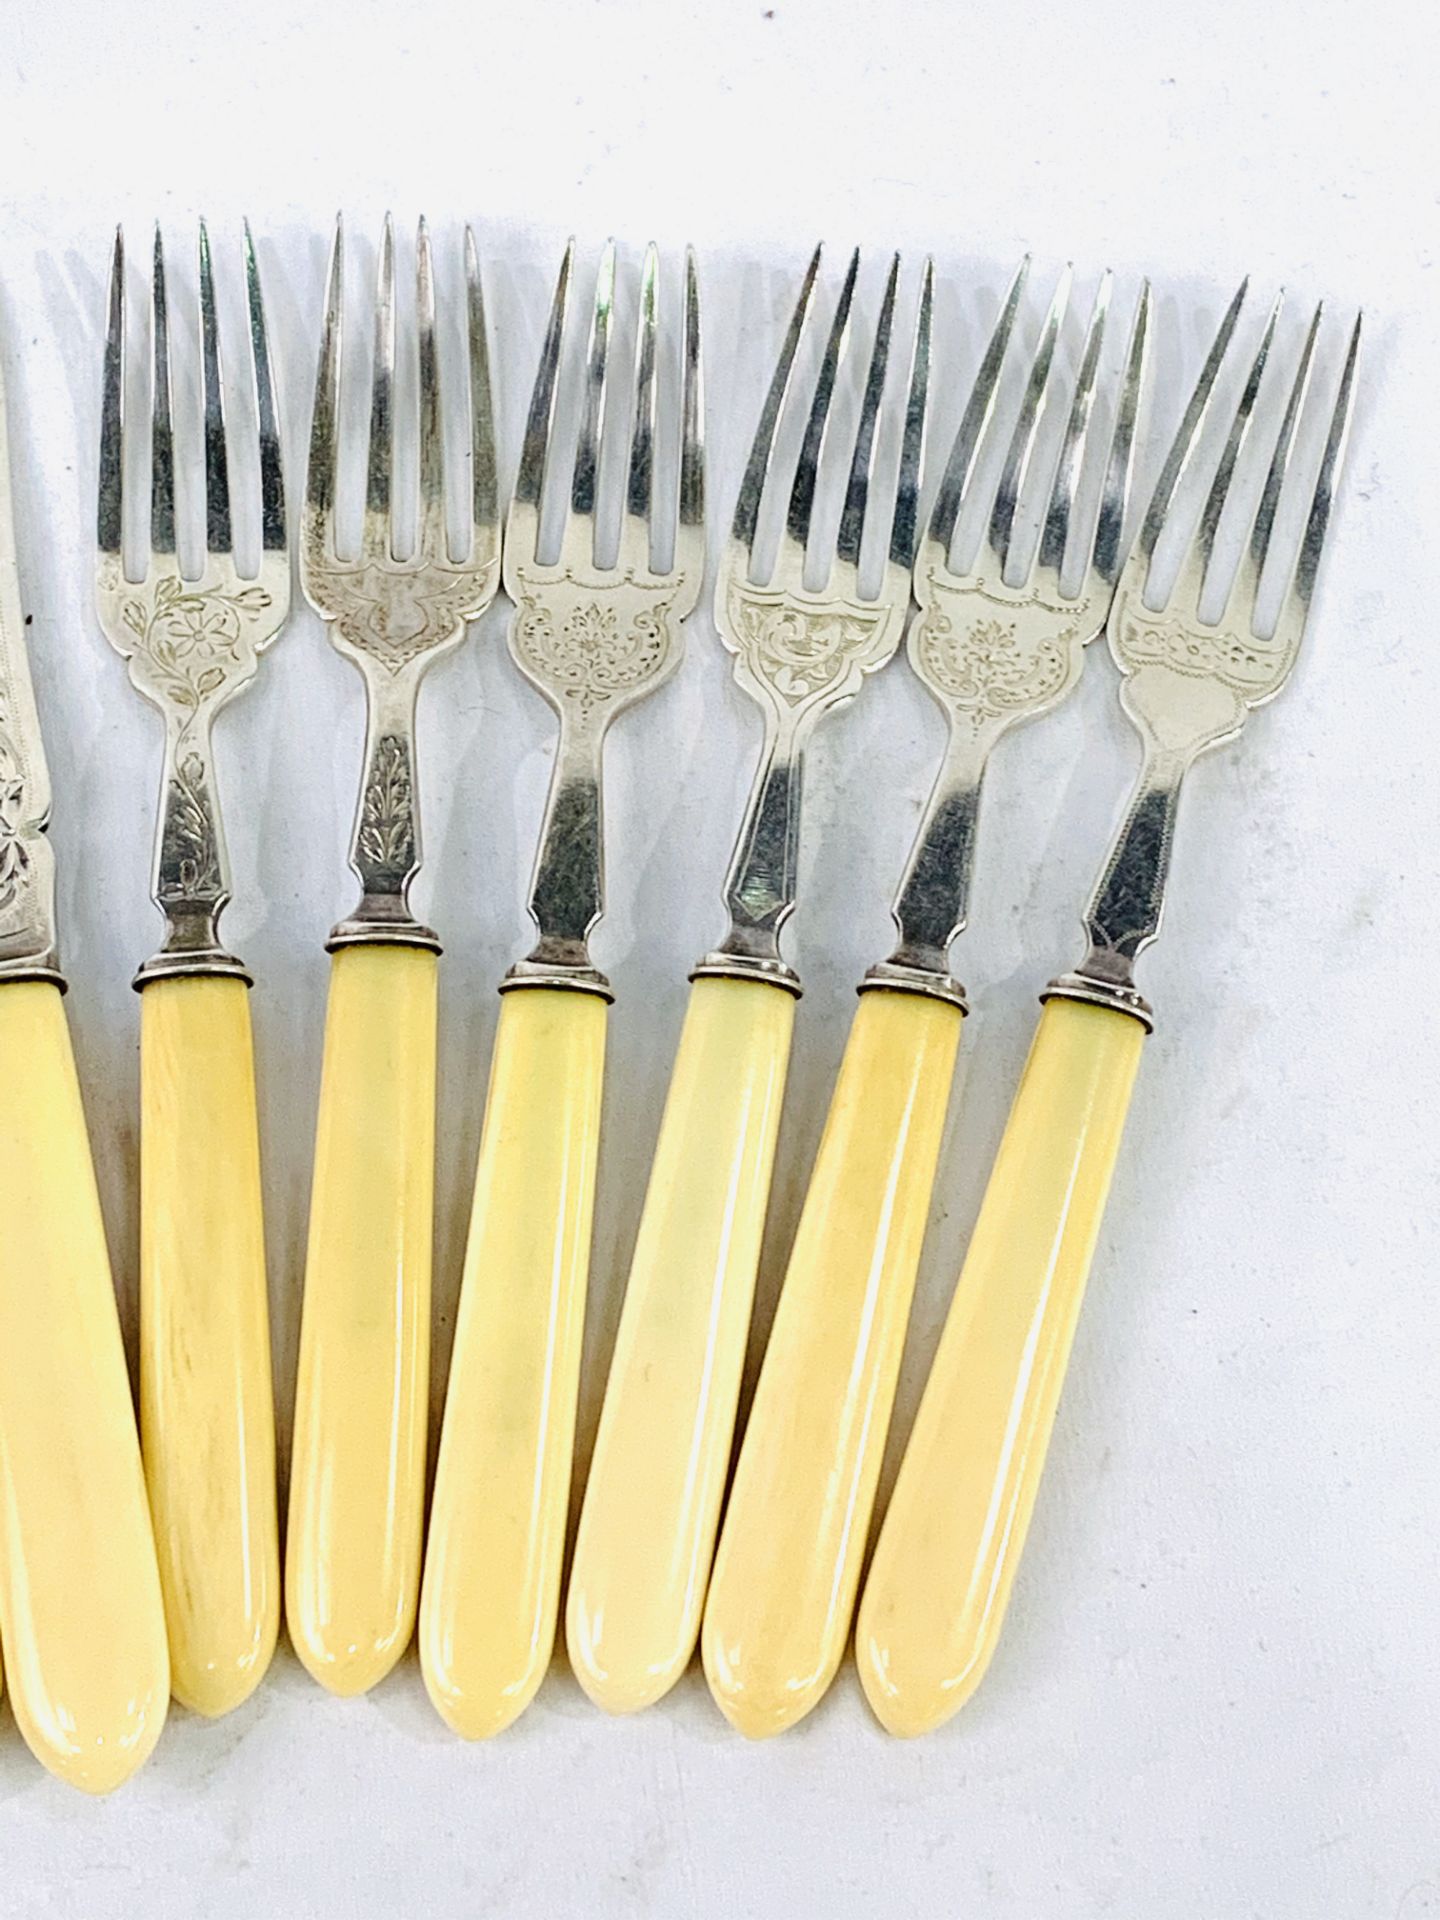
192,642
393,614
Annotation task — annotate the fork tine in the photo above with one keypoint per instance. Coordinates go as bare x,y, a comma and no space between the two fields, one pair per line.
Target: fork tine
807,470
530,479
218,537
1291,623
1120,467
690,534
162,437
484,480
862,460
752,484
1191,428
639,484
318,518
1071,461
1000,536
1252,561
592,419
110,511
904,526
1196,564
960,467
272,472
433,543
376,541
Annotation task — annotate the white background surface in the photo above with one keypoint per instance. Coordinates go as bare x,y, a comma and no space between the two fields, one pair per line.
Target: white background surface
1218,1694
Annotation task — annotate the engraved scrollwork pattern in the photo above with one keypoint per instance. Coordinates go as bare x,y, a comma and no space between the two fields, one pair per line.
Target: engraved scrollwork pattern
1009,659
393,615
190,644
1251,668
591,647
385,842
15,865
189,849
802,653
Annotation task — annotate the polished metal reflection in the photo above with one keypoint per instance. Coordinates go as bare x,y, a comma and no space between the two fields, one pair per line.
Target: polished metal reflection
192,640
592,637
1190,680
1003,641
393,613
802,652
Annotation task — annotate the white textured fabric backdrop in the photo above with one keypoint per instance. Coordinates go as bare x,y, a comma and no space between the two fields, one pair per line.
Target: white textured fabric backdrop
1218,1694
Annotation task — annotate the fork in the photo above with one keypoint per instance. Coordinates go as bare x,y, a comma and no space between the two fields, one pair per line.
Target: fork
192,641
647,1525
357,1484
594,638
940,1580
997,644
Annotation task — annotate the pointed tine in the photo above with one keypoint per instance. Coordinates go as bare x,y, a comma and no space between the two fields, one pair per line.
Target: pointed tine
110,511
757,467
530,479
640,479
807,471
1204,542
1071,462
592,418
904,526
218,537
1252,562
377,543
960,467
1307,564
692,409
1120,467
162,437
1019,453
321,465
272,474
862,460
1191,428
433,544
484,479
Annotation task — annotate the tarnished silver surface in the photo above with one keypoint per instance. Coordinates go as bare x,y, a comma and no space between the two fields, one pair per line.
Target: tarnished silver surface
191,642
1003,641
596,638
392,616
1189,682
802,652
29,949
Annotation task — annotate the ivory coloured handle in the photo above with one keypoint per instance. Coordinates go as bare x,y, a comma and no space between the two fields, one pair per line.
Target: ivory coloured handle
788,1565
652,1502
81,1614
207,1416
491,1588
357,1475
940,1580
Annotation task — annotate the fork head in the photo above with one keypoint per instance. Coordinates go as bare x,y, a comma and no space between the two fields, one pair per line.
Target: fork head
191,641
595,637
1004,640
1191,679
389,609
800,651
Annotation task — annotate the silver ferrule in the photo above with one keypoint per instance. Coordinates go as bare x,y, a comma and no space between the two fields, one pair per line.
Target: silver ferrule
190,875
1125,910
760,885
567,890
385,842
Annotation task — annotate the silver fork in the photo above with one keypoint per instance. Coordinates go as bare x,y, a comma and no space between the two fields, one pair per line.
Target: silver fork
941,1576
647,1528
358,1474
192,642
998,643
594,637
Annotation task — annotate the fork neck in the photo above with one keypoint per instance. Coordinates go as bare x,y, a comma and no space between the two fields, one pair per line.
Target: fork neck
567,889
385,841
760,886
191,869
